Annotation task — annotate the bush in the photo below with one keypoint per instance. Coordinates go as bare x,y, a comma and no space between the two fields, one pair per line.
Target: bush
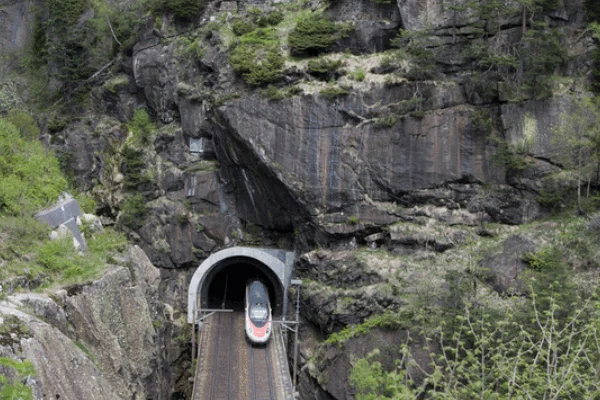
314,34
274,18
141,126
133,169
25,123
324,69
258,57
241,27
133,211
333,92
182,10
358,75
273,93
385,122
552,195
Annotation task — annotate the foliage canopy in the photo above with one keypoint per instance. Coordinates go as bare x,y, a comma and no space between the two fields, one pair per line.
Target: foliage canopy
314,33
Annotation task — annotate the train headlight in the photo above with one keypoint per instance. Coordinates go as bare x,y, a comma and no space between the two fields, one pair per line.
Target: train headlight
250,330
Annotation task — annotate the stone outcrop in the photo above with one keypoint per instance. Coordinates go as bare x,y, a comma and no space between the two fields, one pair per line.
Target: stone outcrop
102,340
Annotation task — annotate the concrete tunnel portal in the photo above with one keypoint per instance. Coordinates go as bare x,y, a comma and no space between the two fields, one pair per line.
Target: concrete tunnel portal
220,281
225,284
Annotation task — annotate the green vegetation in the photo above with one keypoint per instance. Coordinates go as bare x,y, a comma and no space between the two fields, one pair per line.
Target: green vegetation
385,122
314,33
30,178
84,348
241,27
497,356
353,220
325,69
134,169
182,10
510,156
141,127
578,142
25,124
552,195
592,10
16,390
133,211
275,94
258,57
387,320
417,47
358,75
333,92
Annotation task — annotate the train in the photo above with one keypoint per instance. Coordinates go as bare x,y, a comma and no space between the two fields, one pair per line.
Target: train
258,313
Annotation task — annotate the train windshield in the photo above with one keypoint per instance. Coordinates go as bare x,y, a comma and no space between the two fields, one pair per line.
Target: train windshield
258,303
259,312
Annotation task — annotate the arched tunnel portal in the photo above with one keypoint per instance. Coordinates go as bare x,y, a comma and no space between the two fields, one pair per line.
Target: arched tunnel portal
220,281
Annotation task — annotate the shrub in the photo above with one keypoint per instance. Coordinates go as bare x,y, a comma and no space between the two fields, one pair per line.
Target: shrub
133,211
182,10
333,92
358,75
324,69
353,220
133,169
509,156
314,34
275,18
385,122
552,195
25,124
241,27
141,126
273,93
258,57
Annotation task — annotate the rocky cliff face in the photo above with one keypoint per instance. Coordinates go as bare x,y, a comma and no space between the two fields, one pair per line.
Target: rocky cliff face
103,340
403,167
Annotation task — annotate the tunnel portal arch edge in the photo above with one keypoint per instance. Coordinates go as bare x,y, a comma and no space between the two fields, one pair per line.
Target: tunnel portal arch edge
278,261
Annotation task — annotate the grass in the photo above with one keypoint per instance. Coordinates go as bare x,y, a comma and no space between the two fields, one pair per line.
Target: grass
27,252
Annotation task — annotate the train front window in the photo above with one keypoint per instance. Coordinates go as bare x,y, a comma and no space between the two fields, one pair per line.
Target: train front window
258,312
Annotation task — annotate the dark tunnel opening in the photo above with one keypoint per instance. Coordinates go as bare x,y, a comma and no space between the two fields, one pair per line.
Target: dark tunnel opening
225,284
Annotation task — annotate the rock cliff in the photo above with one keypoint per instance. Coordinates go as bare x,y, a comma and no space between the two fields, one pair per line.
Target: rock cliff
395,177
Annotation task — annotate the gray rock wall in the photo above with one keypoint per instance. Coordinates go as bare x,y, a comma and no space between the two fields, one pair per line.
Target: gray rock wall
102,340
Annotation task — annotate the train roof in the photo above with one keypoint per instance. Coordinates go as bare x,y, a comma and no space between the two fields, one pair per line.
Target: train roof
257,293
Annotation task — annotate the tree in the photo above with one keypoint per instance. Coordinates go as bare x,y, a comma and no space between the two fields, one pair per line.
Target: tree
498,357
577,142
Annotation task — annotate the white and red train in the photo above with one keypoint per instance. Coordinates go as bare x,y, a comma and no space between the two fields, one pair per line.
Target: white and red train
258,313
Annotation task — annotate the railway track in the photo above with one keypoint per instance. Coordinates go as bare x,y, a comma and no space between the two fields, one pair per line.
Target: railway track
261,373
229,368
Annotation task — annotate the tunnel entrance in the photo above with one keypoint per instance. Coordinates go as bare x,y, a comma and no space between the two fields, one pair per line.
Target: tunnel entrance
226,284
220,281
